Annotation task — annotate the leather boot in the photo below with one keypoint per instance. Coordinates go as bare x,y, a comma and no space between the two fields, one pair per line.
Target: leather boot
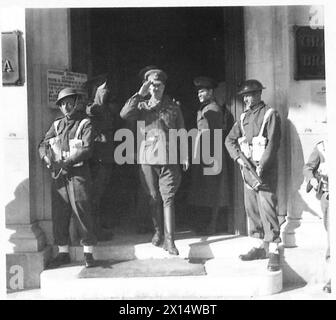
169,230
156,209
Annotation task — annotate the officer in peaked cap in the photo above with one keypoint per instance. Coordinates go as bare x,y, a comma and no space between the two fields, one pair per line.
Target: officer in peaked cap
159,177
156,75
144,224
208,191
256,137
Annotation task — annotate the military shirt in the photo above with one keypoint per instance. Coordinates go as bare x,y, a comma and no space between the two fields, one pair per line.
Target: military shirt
252,125
158,120
67,129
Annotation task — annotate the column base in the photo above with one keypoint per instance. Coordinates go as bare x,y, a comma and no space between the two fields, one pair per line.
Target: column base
23,269
25,238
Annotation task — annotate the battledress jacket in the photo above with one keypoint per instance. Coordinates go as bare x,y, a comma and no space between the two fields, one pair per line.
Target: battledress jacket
67,130
158,120
272,132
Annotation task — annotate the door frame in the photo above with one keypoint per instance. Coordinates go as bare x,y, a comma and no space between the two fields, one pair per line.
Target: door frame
234,51
235,72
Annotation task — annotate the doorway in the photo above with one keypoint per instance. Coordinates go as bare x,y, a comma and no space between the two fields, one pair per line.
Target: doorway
185,42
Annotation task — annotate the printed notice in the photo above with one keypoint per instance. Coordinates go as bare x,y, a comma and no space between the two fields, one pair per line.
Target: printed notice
60,79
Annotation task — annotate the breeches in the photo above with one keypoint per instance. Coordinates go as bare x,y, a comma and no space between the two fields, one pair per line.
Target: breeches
160,182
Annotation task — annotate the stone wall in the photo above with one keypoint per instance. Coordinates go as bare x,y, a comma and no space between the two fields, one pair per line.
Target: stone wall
270,57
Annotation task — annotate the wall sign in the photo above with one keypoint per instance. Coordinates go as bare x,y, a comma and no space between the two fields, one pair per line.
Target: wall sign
310,57
11,58
60,79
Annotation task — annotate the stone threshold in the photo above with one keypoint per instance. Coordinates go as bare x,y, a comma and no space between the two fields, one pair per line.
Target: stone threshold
226,275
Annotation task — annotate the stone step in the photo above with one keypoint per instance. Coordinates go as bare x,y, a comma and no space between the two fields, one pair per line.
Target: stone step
128,247
64,283
226,276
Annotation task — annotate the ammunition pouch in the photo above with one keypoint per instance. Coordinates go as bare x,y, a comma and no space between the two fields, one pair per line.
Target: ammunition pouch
245,147
258,147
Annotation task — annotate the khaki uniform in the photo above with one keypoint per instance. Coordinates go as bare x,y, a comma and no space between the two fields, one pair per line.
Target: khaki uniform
209,190
72,188
260,206
316,166
159,178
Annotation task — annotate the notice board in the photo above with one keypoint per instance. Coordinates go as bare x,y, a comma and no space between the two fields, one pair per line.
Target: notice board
310,55
60,79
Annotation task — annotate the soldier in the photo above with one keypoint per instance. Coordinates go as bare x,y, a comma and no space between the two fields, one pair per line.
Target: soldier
253,142
209,191
101,113
159,178
144,223
65,149
316,175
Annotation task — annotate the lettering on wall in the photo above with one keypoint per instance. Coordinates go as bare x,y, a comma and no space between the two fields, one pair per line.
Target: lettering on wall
310,55
60,79
12,58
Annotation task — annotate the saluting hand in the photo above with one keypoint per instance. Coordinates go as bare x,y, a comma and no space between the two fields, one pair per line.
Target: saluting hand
144,88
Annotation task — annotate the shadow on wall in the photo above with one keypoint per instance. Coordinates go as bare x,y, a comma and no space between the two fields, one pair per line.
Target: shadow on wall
18,206
295,204
17,213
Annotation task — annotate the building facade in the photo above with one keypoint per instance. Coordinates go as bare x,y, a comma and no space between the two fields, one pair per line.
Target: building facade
252,42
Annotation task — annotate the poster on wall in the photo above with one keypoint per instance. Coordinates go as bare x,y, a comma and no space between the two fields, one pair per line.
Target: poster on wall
310,56
60,79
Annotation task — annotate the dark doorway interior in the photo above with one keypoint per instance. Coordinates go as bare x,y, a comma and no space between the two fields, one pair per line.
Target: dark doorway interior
186,42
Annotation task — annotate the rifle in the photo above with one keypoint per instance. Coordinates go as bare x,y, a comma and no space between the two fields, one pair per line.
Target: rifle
322,182
257,182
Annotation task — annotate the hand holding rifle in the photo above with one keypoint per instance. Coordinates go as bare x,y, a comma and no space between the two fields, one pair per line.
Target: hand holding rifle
244,162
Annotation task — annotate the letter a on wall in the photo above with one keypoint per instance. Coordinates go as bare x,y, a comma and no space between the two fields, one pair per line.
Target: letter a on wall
11,58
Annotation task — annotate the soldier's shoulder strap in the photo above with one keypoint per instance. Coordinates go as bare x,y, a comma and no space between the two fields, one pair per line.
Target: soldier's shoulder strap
242,117
80,127
266,116
56,124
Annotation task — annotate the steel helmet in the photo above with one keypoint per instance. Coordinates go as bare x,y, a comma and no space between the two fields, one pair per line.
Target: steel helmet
66,92
250,86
